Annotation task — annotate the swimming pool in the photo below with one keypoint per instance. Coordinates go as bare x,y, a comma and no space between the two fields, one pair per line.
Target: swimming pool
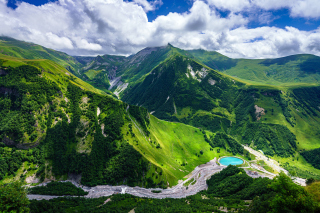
230,161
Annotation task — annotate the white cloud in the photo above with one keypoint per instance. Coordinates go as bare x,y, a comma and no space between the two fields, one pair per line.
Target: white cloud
298,8
307,8
88,27
59,42
84,44
232,5
149,5
270,42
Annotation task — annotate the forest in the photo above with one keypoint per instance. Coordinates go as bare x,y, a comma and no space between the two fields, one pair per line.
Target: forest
11,159
312,157
34,109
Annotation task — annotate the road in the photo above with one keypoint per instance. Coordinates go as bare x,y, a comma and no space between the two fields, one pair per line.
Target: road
273,164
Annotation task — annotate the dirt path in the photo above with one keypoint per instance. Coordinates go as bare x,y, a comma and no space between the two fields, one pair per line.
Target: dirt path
273,164
270,162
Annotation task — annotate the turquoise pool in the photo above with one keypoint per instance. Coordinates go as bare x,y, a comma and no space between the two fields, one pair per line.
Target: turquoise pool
231,161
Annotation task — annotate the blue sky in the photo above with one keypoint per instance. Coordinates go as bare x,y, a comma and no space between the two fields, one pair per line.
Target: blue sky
236,28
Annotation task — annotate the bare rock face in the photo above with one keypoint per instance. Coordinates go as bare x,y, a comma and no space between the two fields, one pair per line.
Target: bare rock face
112,72
32,179
74,177
28,145
9,142
212,82
115,82
259,112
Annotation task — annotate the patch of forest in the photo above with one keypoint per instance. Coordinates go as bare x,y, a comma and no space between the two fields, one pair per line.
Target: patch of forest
312,157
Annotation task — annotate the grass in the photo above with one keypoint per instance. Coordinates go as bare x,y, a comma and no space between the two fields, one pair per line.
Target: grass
300,164
179,144
286,71
191,181
26,50
314,190
91,74
51,70
306,130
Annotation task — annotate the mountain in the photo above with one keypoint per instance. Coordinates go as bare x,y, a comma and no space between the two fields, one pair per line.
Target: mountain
290,70
100,70
282,121
27,50
79,128
53,124
123,71
257,102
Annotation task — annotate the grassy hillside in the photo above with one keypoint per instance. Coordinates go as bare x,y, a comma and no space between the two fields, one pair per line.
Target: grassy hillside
174,147
281,121
100,70
27,50
50,69
263,103
290,70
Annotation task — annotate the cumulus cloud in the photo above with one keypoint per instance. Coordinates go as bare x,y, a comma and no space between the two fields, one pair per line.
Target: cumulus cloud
298,8
149,5
232,5
91,27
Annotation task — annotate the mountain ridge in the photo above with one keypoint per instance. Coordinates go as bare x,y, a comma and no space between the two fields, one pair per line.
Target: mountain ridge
281,120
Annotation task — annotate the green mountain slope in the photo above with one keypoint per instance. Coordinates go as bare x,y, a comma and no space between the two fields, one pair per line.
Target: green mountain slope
121,71
260,105
27,50
290,70
74,127
280,121
68,127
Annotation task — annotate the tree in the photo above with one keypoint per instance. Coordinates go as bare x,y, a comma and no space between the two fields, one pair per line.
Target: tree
290,197
13,198
310,180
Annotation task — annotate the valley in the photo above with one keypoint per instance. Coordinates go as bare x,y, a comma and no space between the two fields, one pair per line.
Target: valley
154,124
194,182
